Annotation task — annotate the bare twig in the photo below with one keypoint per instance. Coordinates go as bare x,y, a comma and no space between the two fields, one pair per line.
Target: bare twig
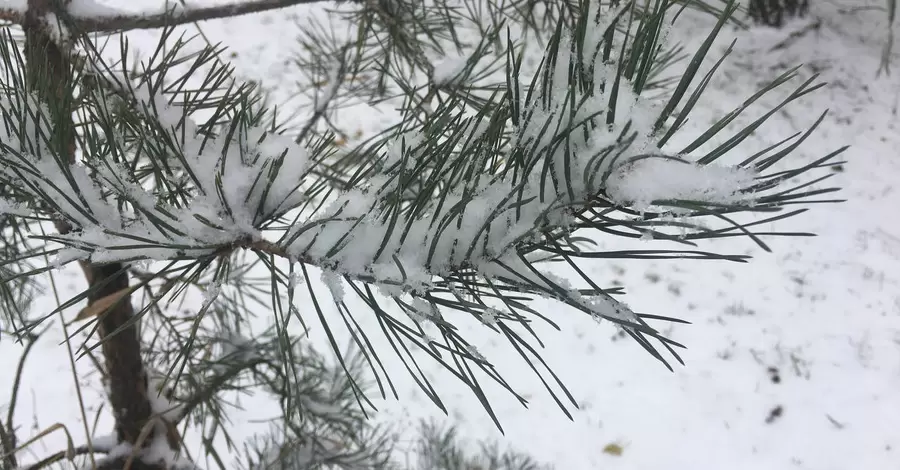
332,84
64,454
267,247
9,441
111,22
795,35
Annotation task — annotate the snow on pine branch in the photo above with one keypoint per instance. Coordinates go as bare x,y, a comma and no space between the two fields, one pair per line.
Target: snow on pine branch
641,182
240,177
563,155
480,224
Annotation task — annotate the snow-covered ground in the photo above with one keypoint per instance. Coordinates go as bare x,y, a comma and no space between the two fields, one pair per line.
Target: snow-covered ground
793,360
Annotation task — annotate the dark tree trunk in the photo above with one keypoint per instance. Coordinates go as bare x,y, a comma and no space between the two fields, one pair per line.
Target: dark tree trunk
49,72
776,12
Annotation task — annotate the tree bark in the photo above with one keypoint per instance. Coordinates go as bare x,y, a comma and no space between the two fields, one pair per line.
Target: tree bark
775,12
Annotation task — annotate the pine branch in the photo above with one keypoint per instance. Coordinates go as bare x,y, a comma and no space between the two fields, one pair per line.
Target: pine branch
448,210
107,19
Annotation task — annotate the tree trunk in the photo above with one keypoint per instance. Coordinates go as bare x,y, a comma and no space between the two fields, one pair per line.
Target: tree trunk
775,12
48,74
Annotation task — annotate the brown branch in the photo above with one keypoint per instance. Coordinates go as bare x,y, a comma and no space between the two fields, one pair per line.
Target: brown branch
122,463
49,73
128,21
64,454
266,247
7,445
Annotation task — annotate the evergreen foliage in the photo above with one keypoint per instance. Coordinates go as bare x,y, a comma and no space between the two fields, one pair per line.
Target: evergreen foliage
187,183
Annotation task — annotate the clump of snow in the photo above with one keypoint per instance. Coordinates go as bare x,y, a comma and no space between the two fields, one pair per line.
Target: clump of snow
422,311
105,443
120,449
489,316
13,208
450,70
335,285
92,9
416,316
295,279
159,403
235,350
322,409
474,352
57,31
210,294
159,452
640,182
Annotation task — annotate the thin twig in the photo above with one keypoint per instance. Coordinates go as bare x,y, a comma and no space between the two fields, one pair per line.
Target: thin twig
322,107
795,35
14,396
268,248
64,454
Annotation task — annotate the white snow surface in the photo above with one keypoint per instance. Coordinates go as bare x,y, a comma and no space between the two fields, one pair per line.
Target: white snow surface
822,314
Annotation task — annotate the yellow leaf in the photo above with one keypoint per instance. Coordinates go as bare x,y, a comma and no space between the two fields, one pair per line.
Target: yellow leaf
613,449
102,304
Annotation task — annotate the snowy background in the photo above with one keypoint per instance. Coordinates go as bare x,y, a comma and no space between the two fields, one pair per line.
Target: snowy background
793,360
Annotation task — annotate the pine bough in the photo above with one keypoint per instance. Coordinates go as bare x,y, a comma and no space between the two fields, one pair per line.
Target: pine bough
454,213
